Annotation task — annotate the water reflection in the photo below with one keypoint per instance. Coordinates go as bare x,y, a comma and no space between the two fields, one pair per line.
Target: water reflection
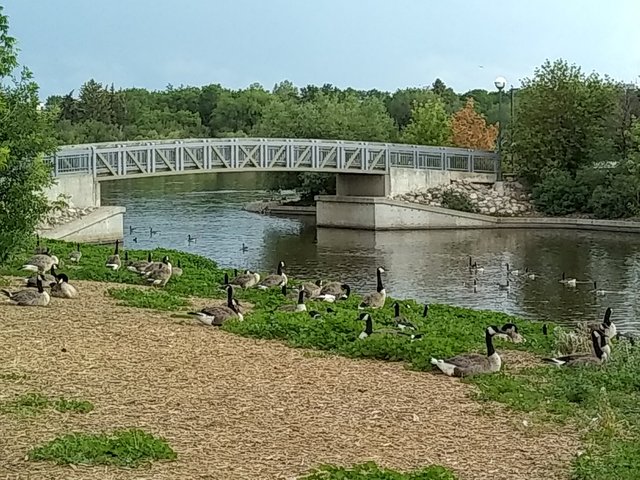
426,265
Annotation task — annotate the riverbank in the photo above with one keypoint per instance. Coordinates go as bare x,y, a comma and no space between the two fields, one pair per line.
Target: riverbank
393,433
278,207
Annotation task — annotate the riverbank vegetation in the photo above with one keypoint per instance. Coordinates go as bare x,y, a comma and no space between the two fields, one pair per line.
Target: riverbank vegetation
600,402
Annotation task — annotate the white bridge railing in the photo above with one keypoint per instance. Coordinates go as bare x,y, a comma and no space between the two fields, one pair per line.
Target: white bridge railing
162,157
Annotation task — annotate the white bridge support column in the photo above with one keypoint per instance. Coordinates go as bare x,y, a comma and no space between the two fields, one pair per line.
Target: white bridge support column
83,189
362,185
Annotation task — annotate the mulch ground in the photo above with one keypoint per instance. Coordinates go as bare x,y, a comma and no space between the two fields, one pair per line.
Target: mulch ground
238,408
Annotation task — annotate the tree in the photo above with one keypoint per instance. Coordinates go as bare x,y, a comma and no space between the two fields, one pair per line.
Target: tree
470,129
430,124
565,121
25,134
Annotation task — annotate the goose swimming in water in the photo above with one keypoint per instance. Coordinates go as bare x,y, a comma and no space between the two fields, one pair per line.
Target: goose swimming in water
468,364
377,298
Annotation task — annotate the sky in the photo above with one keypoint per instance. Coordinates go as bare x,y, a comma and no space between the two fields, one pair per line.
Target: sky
363,44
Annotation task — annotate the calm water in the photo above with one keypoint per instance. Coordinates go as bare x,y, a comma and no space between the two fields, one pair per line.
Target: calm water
425,265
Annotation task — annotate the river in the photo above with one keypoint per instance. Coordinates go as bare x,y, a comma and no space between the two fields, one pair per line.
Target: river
430,266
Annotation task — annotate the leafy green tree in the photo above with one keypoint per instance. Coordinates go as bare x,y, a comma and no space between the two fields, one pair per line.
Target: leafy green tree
430,123
25,134
401,103
564,121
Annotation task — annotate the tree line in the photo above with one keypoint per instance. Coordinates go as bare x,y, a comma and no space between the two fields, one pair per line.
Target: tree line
433,115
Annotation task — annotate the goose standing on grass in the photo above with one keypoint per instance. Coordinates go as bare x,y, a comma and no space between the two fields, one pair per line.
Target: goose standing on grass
377,298
400,321
29,296
298,307
468,364
114,262
275,280
509,331
607,327
177,271
217,315
40,249
76,255
63,289
291,295
246,280
578,359
368,326
161,275
41,262
139,266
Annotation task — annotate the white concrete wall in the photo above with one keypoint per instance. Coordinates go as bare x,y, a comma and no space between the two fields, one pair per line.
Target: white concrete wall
84,190
405,180
362,185
106,224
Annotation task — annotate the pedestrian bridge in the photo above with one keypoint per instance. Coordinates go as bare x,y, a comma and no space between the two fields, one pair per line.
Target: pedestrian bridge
361,168
113,161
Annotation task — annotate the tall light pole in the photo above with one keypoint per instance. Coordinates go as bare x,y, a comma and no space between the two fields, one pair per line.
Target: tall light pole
500,83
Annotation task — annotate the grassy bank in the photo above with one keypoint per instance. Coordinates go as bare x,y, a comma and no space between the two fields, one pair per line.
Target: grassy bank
601,402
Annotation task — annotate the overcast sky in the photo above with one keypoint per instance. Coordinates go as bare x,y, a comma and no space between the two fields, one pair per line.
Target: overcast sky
364,44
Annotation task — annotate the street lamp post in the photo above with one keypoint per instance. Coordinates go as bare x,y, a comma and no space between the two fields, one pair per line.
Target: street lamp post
500,83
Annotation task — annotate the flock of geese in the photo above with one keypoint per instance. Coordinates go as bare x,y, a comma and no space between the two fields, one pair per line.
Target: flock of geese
45,264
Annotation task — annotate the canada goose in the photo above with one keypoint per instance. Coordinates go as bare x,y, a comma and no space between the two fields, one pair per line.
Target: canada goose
509,331
40,249
607,327
530,275
29,297
152,232
512,272
41,262
246,280
299,307
570,282
577,359
139,266
177,271
311,289
63,289
291,295
377,298
274,280
425,311
596,291
76,255
161,275
217,315
48,279
333,291
545,329
244,248
368,327
113,262
472,363
475,285
135,239
317,315
401,322
191,239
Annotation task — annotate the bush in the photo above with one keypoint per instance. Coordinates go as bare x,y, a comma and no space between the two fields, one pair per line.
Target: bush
618,198
561,194
457,201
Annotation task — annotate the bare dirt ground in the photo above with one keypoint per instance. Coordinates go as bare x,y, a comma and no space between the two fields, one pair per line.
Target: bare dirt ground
237,408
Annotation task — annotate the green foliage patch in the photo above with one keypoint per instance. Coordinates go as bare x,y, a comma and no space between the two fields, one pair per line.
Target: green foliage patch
126,448
371,471
35,403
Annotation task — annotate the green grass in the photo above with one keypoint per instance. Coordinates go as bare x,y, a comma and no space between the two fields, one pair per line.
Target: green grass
155,299
558,395
370,471
126,448
31,404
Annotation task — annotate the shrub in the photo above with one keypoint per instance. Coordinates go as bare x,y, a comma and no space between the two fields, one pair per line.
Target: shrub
618,198
457,201
372,472
561,194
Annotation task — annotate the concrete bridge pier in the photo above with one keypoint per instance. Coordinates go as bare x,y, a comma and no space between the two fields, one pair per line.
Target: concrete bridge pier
362,185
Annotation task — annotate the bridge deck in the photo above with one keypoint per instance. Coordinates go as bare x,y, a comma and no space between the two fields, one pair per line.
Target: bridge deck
109,161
